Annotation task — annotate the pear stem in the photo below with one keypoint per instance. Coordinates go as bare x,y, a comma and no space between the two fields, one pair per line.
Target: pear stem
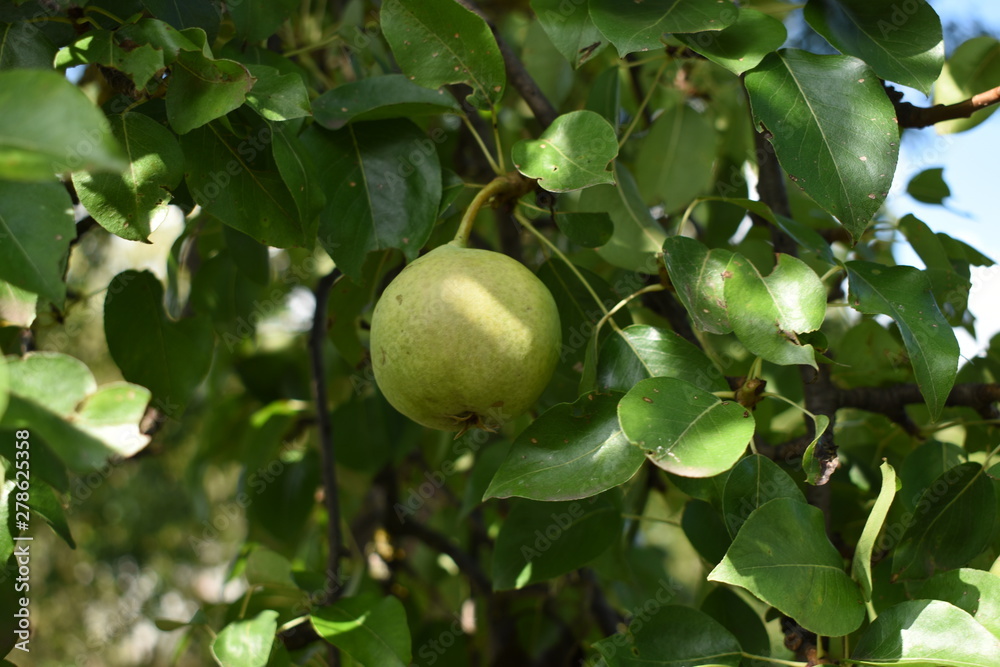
512,184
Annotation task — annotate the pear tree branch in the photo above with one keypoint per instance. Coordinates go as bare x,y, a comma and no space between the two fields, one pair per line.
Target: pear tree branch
913,116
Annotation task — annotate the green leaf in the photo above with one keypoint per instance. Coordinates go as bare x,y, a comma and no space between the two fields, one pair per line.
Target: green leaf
742,45
683,428
44,502
201,89
675,159
705,530
591,230
974,67
166,38
140,63
578,312
940,534
929,186
255,21
56,396
130,202
833,129
570,28
729,609
23,45
767,312
437,42
752,482
383,185
378,98
48,126
540,541
170,358
4,386
923,633
903,293
642,351
973,591
697,275
236,179
36,229
605,94
369,628
572,451
204,15
673,636
901,43
571,154
277,96
782,556
246,643
861,566
639,26
301,177
949,278
637,237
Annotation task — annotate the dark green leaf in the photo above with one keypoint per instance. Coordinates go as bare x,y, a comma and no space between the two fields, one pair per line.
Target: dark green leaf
767,312
923,633
44,502
729,609
641,26
437,42
202,89
752,482
572,451
48,126
637,237
697,275
170,358
783,557
23,45
591,230
571,154
378,98
277,96
641,351
929,186
675,159
903,293
683,428
941,533
369,628
255,21
36,228
833,128
705,530
540,541
246,643
383,186
742,45
604,96
129,203
235,179
204,15
973,591
673,636
901,43
299,172
569,27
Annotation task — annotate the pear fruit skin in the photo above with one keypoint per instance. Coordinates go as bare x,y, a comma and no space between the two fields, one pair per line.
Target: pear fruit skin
464,337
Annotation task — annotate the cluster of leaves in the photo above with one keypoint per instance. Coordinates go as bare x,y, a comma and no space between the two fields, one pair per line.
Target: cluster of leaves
632,496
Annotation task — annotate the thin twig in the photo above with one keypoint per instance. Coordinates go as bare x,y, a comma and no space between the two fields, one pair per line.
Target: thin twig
327,452
913,116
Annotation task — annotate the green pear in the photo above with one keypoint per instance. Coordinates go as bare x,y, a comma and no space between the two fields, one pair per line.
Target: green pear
464,338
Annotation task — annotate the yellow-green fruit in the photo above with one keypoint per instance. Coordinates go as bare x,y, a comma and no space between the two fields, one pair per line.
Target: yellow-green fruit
463,338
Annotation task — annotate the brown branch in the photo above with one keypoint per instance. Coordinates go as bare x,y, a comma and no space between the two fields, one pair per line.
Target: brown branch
891,401
517,74
913,116
328,456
